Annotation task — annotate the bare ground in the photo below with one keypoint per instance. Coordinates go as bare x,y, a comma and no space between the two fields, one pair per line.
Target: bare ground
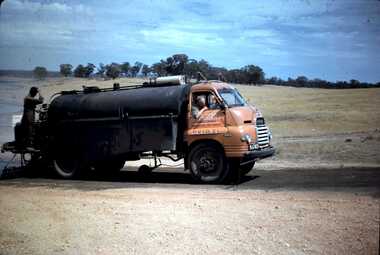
325,211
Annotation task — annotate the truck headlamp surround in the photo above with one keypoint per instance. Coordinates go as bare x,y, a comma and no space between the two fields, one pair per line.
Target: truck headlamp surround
246,138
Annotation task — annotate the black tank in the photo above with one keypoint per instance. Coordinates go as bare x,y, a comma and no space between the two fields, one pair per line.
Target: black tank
109,124
131,102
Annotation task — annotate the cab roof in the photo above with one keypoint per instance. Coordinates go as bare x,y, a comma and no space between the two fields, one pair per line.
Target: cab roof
207,85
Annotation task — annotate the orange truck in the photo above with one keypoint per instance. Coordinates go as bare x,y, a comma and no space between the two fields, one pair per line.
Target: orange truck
229,136
209,125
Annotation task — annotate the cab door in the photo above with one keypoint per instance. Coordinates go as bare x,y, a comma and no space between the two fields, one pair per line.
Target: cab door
210,124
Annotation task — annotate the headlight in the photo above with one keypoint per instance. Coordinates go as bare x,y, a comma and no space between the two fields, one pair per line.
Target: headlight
246,138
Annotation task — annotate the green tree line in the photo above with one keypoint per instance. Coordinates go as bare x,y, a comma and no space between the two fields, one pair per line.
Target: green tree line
174,65
303,81
181,64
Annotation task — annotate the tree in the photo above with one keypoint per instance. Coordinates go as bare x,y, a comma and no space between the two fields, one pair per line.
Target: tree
191,68
252,74
125,68
40,72
301,81
65,69
234,76
145,70
318,83
290,82
217,73
175,64
101,69
136,68
160,68
354,83
89,69
84,71
281,82
113,70
80,71
273,80
204,67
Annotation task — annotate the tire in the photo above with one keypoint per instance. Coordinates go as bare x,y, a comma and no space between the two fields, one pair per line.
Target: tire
66,168
245,169
207,163
145,170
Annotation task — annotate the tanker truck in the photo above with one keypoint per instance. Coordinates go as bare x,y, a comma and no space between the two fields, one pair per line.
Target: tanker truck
101,129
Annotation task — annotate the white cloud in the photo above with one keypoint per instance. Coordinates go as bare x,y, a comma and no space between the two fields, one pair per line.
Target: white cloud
33,25
182,38
44,7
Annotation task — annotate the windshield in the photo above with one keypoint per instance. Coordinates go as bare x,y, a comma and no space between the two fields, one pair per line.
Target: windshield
231,97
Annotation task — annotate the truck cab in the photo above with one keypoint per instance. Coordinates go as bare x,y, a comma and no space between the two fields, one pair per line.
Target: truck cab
227,137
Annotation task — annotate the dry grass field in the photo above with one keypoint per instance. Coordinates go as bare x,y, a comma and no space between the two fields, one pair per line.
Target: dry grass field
306,112
54,85
314,127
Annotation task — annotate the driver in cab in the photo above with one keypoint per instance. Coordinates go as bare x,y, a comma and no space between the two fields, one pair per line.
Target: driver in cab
199,108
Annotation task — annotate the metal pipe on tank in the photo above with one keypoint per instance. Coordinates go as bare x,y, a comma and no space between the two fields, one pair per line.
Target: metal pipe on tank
173,80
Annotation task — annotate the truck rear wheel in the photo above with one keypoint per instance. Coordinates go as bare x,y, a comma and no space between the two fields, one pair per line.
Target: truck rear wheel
66,168
207,163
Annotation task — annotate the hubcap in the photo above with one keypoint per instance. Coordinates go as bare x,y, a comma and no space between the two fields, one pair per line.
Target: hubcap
207,163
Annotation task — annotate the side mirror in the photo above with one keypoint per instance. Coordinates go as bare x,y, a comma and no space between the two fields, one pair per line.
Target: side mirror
222,106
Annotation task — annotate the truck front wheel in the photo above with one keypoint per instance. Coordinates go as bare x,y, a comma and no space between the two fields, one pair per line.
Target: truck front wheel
207,163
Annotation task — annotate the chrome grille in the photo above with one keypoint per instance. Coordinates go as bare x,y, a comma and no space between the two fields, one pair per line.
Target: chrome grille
262,132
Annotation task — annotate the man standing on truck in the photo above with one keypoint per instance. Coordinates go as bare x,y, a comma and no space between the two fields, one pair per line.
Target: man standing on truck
199,108
30,103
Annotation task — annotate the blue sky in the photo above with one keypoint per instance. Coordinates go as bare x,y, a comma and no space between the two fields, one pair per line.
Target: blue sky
328,39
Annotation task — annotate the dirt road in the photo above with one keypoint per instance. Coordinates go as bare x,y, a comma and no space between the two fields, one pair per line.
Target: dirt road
303,211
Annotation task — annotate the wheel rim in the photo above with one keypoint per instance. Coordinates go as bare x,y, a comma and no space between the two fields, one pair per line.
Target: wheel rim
207,165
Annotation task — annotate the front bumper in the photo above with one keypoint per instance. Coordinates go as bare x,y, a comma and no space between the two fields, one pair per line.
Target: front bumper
258,154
